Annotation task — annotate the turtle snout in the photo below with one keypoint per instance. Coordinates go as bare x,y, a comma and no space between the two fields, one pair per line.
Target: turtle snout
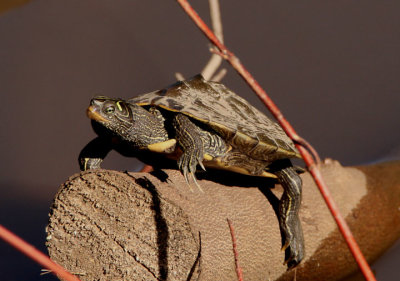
93,113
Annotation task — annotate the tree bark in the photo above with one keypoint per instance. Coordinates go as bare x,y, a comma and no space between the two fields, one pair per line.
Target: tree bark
109,225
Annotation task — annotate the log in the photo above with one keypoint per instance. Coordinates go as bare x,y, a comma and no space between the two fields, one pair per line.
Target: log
109,225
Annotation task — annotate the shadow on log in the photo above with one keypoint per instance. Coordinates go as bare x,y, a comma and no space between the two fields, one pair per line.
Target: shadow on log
108,225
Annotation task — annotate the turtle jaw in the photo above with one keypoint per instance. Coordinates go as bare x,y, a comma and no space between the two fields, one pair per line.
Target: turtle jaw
93,114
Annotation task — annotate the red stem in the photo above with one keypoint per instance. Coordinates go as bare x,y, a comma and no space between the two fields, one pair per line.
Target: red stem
147,169
35,255
300,143
239,271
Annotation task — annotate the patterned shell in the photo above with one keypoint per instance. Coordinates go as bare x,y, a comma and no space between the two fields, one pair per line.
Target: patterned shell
238,122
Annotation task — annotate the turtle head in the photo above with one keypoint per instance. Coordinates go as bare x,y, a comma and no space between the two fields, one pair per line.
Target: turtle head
114,114
128,121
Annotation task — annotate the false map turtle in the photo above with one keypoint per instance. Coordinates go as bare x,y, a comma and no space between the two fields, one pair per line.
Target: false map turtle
199,122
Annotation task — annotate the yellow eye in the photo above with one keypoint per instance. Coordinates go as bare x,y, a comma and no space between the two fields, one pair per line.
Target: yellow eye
109,109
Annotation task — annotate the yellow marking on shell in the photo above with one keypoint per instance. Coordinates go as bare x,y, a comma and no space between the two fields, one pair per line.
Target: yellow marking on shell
142,103
92,113
169,108
216,163
161,147
268,175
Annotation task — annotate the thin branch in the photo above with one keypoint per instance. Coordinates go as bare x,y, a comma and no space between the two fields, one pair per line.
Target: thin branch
215,13
211,66
35,254
215,61
221,74
303,146
239,271
179,76
216,22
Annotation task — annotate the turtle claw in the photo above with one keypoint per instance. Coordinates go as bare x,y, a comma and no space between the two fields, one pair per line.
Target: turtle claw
187,164
185,175
196,183
201,164
285,246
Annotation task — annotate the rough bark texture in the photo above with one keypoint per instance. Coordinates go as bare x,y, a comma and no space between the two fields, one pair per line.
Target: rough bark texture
108,225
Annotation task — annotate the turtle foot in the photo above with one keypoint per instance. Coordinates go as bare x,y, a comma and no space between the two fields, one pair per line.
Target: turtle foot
188,136
187,163
294,242
89,163
294,252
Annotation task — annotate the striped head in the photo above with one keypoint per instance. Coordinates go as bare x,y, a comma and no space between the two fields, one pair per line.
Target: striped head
114,114
128,121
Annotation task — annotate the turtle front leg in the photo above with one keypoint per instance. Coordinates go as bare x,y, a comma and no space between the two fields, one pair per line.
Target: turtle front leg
94,153
289,221
189,138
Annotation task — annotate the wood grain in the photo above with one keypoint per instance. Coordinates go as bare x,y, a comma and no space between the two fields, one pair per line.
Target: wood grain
109,225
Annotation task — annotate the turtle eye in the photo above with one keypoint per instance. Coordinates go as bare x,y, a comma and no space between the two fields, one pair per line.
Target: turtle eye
109,109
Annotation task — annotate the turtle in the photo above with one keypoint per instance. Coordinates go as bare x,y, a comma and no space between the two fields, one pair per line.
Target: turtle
202,123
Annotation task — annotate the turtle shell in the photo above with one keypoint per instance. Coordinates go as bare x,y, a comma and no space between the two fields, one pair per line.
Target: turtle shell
232,117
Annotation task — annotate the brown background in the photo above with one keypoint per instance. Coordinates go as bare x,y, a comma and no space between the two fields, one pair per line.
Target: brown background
331,66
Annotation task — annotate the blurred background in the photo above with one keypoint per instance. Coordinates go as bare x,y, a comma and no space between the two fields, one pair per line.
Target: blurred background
331,66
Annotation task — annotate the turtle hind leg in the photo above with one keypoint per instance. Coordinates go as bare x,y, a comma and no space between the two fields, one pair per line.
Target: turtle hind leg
189,137
289,205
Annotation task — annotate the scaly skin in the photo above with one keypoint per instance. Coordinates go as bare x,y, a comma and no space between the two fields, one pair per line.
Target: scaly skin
195,143
289,222
117,121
